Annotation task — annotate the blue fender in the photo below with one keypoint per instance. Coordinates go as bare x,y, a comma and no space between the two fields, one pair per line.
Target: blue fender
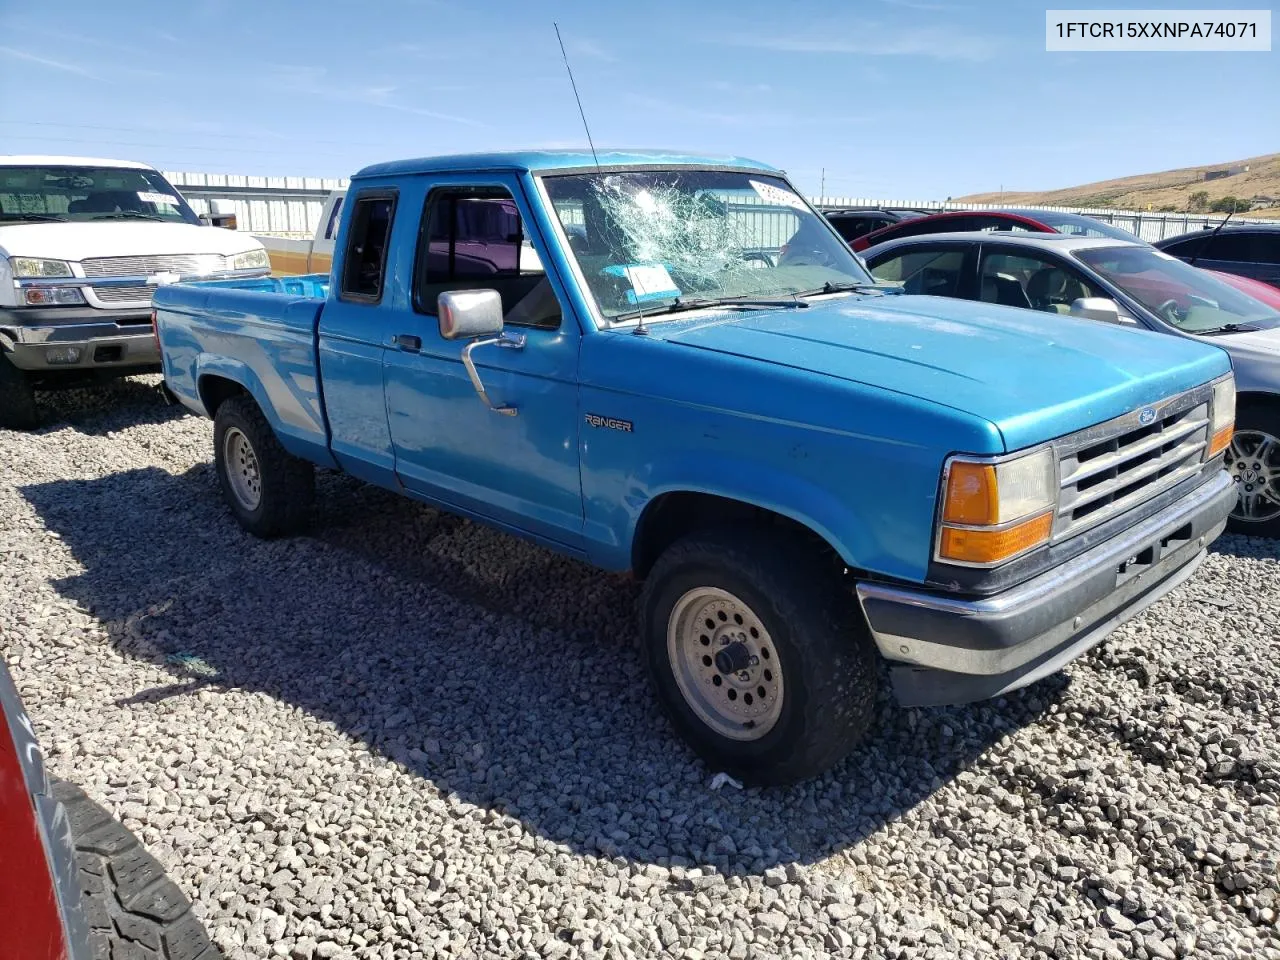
292,409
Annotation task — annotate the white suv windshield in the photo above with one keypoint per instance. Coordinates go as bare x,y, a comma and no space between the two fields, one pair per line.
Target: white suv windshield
53,193
670,237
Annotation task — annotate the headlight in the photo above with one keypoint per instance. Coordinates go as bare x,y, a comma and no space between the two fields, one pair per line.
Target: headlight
995,511
35,267
251,260
1222,416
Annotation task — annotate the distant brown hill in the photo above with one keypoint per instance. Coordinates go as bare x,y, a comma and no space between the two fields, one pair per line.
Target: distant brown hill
1154,191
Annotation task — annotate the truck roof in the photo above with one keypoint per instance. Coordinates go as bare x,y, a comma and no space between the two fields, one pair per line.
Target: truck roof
40,160
545,161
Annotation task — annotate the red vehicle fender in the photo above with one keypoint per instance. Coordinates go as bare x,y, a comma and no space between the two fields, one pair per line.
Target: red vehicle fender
39,893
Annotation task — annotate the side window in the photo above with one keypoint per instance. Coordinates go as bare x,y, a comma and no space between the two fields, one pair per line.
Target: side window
474,239
1191,247
331,229
365,262
934,273
1267,247
1233,246
1031,282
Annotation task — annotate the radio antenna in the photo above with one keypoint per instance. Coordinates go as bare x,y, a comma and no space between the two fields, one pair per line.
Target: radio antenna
582,113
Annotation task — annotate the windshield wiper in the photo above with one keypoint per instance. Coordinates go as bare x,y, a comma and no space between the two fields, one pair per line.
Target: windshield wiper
128,215
853,285
1229,328
38,217
744,302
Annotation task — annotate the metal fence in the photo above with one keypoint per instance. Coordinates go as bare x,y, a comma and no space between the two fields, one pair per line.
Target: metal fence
274,206
291,207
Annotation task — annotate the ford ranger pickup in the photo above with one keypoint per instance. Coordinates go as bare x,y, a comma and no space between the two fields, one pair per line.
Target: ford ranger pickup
671,365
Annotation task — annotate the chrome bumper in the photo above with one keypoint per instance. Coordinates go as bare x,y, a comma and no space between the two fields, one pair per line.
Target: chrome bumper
41,340
946,650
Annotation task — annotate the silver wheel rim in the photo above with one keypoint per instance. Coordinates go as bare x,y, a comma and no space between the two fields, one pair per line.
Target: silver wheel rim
1254,461
242,468
725,664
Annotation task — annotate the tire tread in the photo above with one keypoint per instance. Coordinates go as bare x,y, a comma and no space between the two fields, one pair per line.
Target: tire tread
134,911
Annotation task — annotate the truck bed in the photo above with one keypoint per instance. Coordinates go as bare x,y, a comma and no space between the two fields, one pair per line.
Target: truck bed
257,332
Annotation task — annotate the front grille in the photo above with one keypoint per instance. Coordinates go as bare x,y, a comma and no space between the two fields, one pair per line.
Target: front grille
186,264
140,294
1122,463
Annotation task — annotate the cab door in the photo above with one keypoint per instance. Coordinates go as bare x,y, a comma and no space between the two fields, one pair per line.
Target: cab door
518,469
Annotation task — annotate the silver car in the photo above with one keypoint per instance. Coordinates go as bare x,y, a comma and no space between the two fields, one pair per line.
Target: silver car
1127,283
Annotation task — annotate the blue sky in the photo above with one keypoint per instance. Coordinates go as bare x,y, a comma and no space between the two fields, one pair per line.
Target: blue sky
905,99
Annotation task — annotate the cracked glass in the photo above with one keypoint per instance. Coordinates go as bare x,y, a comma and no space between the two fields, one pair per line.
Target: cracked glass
659,239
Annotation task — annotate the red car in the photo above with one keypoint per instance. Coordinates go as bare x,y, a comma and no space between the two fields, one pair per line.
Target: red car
75,884
969,221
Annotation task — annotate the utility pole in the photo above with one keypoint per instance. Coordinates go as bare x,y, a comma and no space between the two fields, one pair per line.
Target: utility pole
822,190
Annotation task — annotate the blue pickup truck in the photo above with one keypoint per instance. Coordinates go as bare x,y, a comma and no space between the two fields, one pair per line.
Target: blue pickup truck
671,365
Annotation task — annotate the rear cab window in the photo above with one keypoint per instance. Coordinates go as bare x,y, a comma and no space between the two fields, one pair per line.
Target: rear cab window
365,261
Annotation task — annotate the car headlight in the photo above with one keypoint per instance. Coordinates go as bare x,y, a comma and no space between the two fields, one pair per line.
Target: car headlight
251,260
993,511
36,267
1222,416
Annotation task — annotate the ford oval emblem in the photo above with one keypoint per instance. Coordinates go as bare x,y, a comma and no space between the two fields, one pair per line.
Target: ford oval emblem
1146,415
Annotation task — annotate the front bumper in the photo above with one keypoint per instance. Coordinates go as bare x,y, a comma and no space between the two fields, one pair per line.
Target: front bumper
103,338
947,651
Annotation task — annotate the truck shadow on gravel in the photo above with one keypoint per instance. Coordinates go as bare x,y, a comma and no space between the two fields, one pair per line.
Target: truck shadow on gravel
100,409
501,673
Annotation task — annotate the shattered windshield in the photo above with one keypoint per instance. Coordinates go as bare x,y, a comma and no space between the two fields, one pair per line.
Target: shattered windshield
665,238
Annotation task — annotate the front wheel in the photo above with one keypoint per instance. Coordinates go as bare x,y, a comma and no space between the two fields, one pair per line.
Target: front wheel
269,490
760,659
18,409
1254,461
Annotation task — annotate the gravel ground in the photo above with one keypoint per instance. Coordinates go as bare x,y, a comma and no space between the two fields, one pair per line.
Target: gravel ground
408,736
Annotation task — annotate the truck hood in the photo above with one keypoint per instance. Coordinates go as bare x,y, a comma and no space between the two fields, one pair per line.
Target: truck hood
1034,375
118,238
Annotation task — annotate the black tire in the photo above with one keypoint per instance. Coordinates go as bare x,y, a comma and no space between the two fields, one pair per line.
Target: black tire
288,485
820,642
18,409
1251,417
134,911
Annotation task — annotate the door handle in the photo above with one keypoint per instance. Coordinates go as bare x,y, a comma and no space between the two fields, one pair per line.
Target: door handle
407,341
506,340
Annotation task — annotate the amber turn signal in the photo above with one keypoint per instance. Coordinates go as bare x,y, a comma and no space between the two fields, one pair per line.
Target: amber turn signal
1221,440
972,496
992,546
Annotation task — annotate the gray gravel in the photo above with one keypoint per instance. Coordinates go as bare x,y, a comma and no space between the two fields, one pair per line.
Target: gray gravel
409,736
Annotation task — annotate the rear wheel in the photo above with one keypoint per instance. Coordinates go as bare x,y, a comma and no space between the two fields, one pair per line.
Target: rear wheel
18,409
1254,461
761,660
269,490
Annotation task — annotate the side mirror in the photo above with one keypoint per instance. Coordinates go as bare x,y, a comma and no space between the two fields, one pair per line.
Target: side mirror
469,313
1099,308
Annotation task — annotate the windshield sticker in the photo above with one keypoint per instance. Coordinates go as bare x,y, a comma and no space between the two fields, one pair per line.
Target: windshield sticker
158,198
771,194
649,281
